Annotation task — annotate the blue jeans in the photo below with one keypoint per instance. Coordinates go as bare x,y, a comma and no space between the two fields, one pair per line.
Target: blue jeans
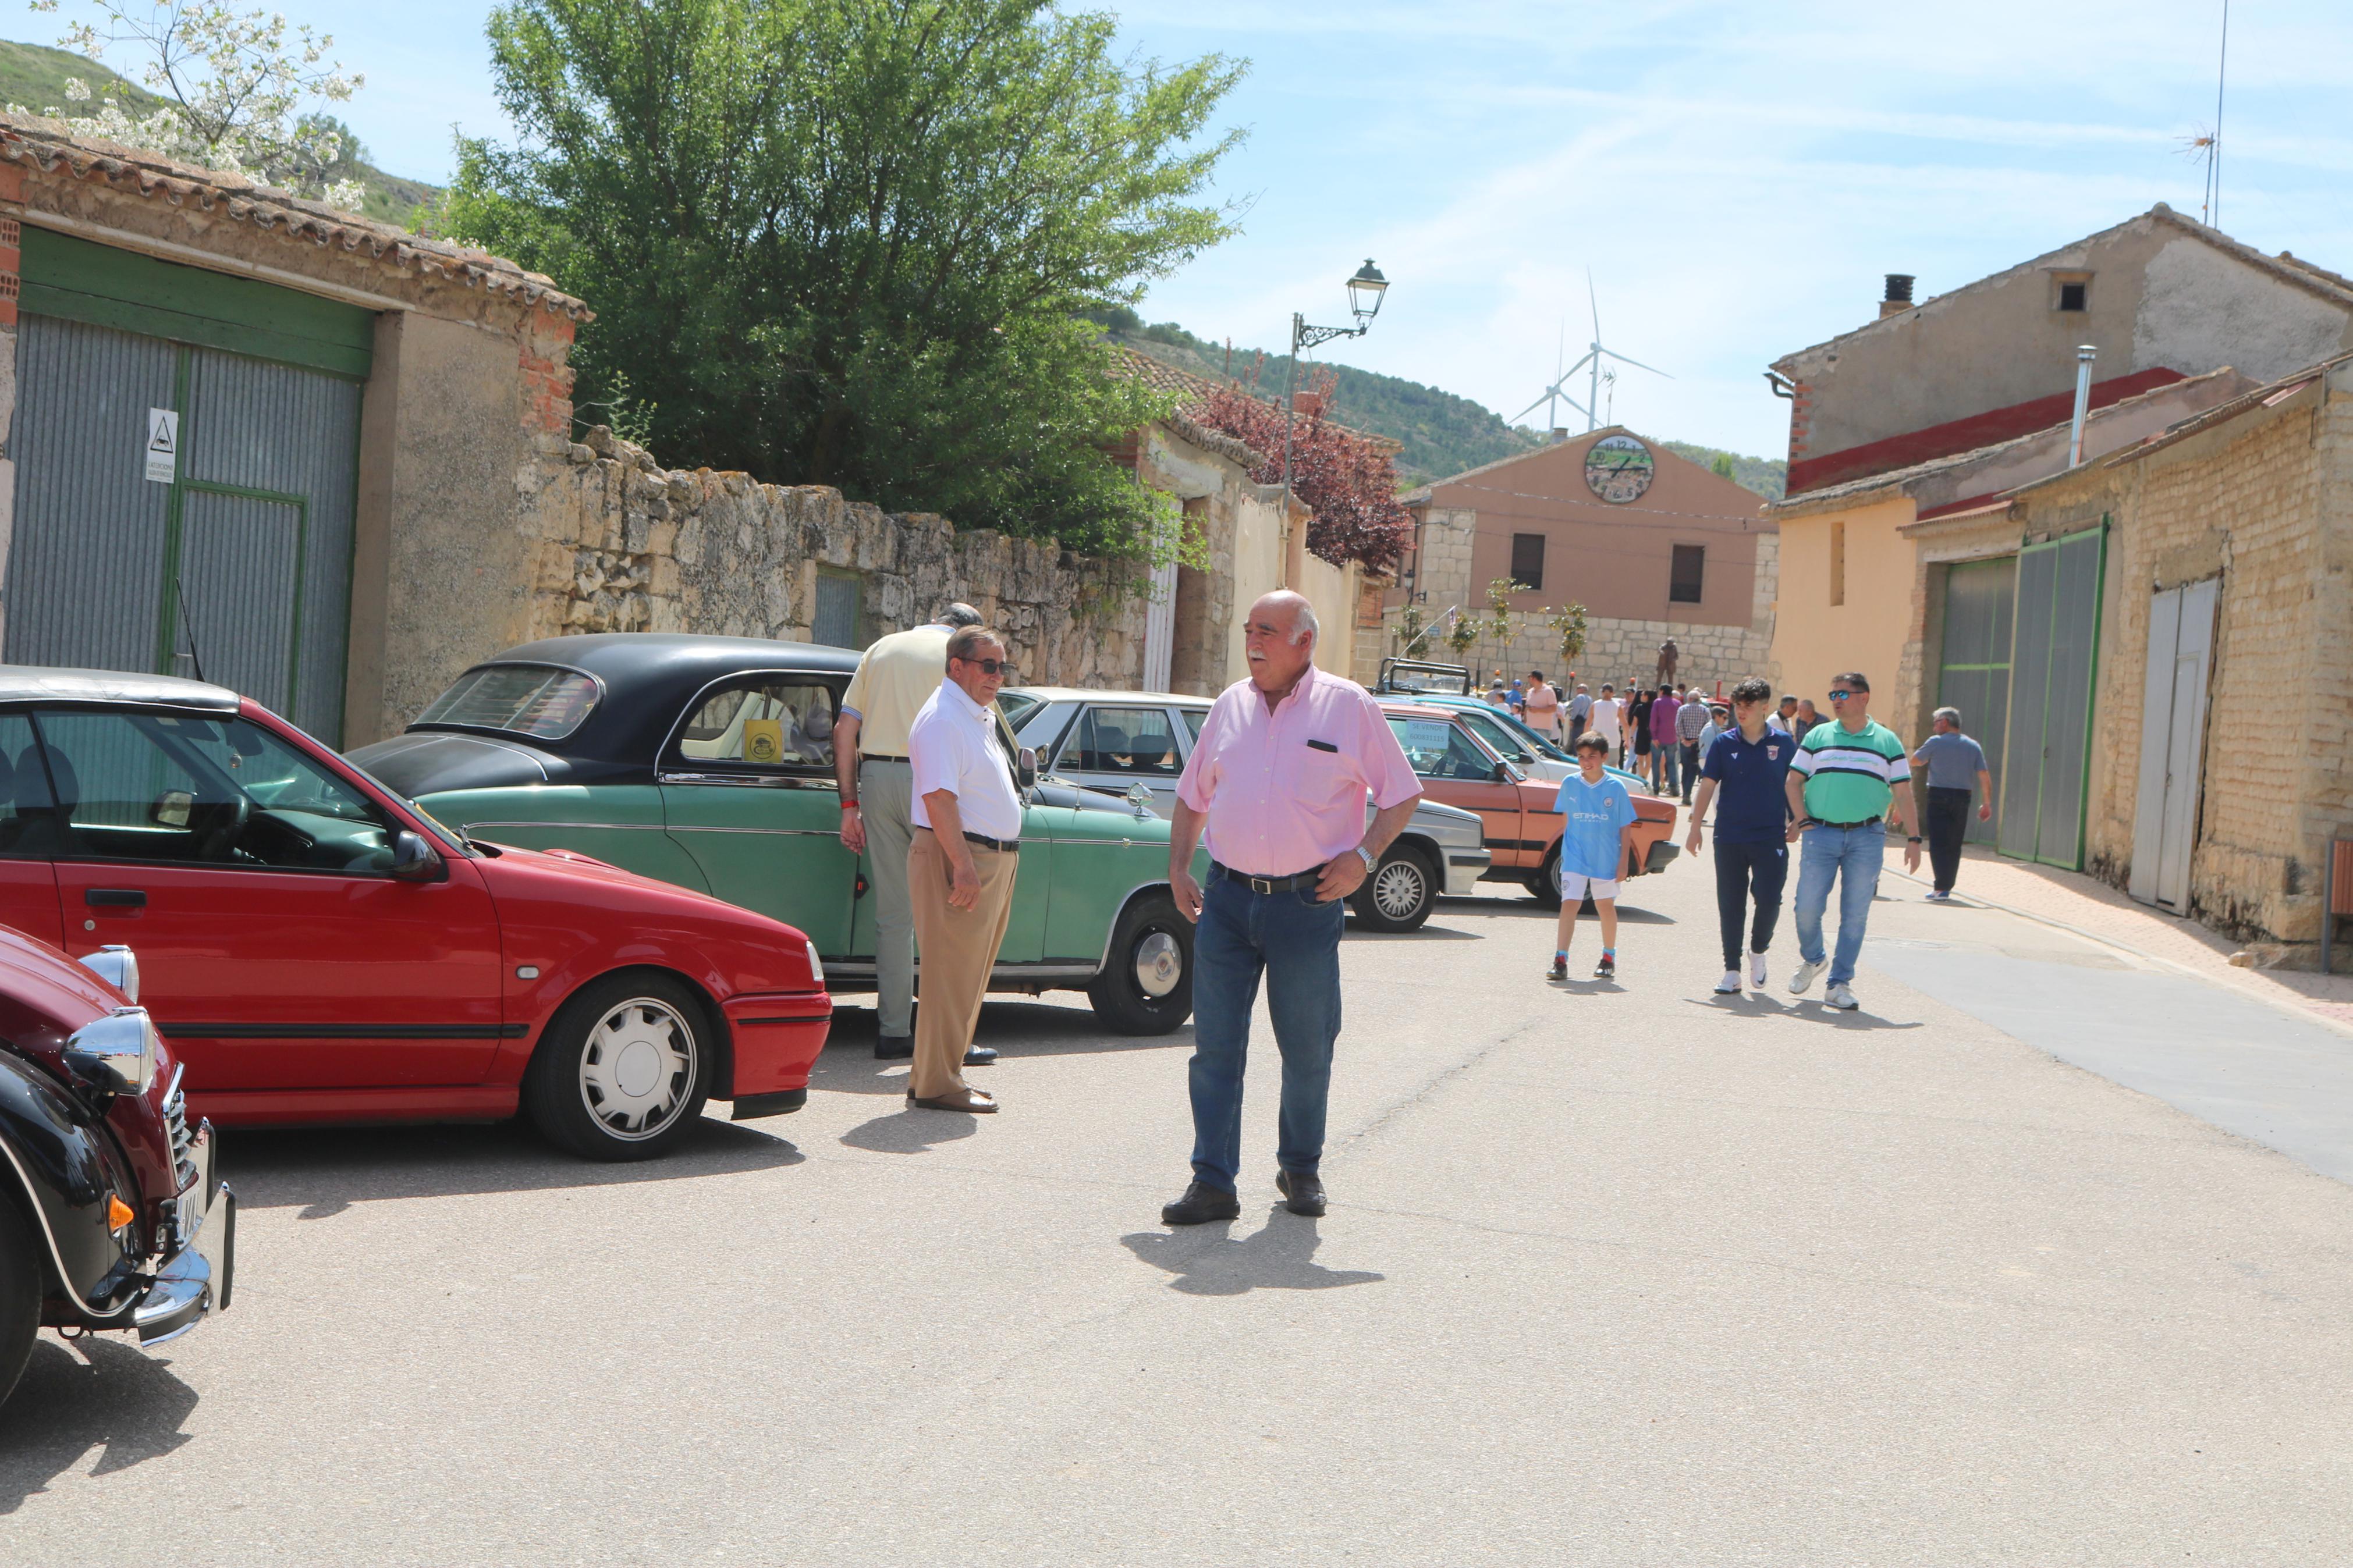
1852,856
1295,942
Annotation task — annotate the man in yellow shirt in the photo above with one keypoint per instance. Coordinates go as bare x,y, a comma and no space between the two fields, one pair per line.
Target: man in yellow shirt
897,675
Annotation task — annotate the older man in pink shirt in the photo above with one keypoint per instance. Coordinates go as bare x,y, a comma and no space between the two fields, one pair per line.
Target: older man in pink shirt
1279,778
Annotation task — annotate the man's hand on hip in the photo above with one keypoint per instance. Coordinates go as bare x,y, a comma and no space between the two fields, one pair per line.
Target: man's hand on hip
853,830
1342,874
1188,895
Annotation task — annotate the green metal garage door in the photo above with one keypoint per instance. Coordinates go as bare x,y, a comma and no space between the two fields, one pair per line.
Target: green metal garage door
234,552
1973,669
2047,756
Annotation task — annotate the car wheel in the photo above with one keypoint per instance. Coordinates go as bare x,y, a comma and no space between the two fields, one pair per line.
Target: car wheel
1544,881
1147,986
20,1296
1398,895
623,1070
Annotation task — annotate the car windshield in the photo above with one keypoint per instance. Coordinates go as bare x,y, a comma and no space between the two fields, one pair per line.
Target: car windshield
535,699
1013,704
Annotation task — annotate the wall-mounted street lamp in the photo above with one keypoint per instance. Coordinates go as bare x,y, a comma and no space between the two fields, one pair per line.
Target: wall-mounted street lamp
1366,291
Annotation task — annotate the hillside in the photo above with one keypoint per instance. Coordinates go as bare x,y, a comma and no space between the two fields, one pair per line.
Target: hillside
34,76
1441,433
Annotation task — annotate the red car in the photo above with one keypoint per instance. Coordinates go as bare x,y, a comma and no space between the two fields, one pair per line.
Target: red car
315,948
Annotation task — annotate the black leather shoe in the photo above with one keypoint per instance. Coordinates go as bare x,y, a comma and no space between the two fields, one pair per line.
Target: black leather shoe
894,1048
979,1056
1303,1191
1201,1204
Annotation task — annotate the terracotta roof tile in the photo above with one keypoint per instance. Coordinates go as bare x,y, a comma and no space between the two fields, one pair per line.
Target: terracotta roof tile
50,146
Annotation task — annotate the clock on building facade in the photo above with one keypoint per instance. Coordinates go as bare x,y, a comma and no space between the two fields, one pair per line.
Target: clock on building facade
1617,468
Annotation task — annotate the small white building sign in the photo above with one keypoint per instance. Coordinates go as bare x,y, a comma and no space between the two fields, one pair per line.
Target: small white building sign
163,445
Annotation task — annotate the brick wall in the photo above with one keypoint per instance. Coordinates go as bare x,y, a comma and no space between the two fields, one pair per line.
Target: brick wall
2265,502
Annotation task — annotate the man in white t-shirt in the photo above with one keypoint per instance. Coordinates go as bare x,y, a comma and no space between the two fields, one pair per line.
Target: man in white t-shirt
1604,719
1541,708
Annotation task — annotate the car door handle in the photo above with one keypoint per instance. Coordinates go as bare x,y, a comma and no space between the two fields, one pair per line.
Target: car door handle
116,898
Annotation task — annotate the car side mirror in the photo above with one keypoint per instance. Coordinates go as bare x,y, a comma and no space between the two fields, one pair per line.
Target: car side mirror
1025,768
1507,773
413,859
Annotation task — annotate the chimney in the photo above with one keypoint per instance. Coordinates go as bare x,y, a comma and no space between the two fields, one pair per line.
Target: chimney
2084,355
1559,434
1899,295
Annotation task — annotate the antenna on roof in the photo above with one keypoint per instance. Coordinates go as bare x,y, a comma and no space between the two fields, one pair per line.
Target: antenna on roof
2214,152
1592,365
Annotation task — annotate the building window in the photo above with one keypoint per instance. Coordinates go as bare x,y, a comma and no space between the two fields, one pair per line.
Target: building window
2075,291
1527,560
1684,577
836,622
1838,562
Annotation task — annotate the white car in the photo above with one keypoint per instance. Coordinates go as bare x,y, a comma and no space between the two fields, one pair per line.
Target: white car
1133,744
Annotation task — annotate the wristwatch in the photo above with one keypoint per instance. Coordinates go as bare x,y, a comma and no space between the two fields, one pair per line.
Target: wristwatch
1914,839
1371,861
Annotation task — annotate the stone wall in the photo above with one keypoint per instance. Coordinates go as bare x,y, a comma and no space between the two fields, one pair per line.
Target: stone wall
622,545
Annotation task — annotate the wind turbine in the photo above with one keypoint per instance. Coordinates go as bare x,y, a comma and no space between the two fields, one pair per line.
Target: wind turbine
1592,365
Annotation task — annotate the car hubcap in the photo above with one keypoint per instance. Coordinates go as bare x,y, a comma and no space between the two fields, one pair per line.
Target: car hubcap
635,1074
1159,964
1397,889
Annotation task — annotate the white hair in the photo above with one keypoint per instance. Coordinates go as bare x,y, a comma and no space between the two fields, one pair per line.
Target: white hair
1303,626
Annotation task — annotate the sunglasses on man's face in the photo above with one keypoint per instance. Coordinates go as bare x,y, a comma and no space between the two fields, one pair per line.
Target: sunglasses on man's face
1841,696
985,666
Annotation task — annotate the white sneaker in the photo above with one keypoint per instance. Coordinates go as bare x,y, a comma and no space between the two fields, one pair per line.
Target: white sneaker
1730,984
1756,970
1840,997
1799,981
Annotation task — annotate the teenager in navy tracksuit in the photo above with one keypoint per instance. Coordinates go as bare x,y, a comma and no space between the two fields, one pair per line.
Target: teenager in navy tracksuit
1747,767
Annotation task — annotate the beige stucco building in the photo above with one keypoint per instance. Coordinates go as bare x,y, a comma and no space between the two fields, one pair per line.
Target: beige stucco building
2159,297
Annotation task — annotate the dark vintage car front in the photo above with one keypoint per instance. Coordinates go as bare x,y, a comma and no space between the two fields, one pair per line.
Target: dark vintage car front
111,1216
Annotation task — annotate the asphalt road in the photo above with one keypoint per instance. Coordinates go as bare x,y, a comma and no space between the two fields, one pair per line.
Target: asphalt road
1614,1274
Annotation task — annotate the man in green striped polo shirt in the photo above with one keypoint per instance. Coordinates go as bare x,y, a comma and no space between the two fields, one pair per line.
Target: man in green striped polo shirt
1849,783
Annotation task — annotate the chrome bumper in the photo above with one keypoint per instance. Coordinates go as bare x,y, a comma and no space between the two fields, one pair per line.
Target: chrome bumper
198,1277
1463,870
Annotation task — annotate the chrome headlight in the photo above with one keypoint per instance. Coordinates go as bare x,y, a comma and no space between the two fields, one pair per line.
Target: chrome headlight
118,1051
117,965
817,964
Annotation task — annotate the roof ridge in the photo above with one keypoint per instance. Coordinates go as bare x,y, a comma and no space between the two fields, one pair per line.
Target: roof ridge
49,144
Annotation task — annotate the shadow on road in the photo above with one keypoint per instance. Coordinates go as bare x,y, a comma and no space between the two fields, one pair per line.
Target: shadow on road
327,1169
1528,908
1280,1255
120,1400
1016,1028
912,1131
1806,1008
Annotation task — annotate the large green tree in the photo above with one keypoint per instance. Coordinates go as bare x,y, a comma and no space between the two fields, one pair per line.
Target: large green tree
845,241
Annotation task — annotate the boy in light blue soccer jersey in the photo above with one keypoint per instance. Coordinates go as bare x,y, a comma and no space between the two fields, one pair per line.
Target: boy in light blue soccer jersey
1600,815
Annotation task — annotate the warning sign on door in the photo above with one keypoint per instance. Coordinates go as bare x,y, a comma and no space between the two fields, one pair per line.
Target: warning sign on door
163,445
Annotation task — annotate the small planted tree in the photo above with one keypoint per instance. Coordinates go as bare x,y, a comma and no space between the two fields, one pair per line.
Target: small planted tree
1570,624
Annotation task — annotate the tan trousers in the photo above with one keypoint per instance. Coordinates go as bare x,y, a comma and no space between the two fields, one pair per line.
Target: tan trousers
955,951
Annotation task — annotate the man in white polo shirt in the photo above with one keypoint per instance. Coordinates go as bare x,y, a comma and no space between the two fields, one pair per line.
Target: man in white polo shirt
896,675
961,867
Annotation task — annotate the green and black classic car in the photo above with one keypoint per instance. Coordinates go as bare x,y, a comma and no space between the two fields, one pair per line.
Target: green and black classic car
708,762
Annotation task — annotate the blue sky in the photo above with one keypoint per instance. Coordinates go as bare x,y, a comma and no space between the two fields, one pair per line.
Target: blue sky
1737,177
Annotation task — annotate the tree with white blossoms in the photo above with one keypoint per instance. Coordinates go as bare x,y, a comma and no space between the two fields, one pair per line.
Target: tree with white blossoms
231,84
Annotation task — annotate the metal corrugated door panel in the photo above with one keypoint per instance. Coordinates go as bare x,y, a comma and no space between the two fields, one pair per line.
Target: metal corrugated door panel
2067,725
2030,680
86,566
293,434
1974,661
240,558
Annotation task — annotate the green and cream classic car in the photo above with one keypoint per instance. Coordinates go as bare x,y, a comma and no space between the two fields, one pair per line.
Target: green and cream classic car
708,762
